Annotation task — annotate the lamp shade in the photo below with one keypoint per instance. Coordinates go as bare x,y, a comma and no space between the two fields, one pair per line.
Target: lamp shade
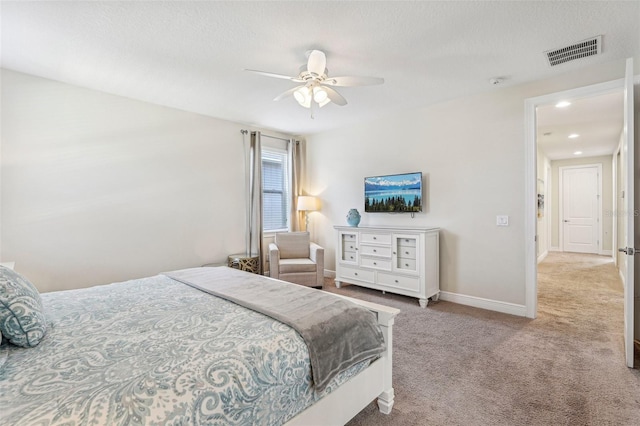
307,203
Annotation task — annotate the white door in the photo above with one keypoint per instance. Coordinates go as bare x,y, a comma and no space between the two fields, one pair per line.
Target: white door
627,172
580,208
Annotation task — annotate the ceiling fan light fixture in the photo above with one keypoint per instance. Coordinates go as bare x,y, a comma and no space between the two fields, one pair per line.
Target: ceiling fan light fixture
323,103
320,95
303,97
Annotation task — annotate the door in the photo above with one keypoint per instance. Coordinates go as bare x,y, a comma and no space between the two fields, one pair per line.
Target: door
627,172
580,208
406,252
348,246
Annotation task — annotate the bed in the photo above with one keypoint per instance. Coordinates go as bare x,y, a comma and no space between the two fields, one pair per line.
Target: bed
176,349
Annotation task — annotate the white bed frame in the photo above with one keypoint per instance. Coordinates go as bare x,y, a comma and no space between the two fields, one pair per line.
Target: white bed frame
344,403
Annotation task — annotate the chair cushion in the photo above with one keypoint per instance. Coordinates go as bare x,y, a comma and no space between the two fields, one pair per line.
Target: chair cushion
293,245
290,266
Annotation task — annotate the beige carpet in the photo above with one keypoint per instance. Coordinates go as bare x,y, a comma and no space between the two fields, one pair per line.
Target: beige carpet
456,365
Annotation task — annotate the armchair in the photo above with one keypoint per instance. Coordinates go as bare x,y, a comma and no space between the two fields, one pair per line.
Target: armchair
294,258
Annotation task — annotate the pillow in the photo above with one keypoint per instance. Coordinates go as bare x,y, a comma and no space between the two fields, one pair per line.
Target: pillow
22,319
293,245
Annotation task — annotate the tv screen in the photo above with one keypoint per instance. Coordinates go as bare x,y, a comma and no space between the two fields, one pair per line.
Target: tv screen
393,193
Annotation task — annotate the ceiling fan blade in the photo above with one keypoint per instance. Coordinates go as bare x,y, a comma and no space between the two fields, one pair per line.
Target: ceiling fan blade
335,97
270,74
347,81
317,62
287,93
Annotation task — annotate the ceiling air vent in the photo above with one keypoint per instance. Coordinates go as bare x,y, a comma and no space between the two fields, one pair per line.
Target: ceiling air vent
579,50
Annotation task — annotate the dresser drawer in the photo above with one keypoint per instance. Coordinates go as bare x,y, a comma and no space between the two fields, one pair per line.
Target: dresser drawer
405,283
408,264
349,246
383,251
406,242
356,274
349,256
376,263
407,252
366,237
349,237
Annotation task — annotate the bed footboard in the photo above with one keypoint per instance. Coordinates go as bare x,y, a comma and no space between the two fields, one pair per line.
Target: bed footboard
375,381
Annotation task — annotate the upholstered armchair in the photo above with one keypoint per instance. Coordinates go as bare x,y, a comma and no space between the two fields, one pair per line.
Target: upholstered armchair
294,258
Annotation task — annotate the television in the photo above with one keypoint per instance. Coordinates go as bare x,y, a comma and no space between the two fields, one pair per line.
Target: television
401,193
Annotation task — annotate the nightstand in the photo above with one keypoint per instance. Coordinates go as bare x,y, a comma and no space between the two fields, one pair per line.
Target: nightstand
244,262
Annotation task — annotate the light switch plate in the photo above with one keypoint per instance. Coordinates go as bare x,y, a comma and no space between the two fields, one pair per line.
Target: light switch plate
502,220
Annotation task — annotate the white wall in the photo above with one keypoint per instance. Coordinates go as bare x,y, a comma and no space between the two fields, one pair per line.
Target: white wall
98,188
607,197
471,152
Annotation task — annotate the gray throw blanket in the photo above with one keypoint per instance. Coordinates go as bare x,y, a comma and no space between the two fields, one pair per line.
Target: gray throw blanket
337,332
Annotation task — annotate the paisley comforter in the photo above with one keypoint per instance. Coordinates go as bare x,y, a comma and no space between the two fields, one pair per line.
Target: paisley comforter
155,351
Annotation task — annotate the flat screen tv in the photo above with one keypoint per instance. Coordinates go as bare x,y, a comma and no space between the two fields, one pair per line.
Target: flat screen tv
401,193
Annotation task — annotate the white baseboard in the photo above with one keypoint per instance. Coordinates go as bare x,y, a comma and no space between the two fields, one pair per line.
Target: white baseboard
555,249
542,256
479,302
329,274
606,253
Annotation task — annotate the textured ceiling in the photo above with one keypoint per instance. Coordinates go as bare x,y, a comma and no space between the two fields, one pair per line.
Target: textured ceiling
190,55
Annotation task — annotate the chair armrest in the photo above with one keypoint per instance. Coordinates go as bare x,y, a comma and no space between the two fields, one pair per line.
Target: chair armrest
315,251
274,261
317,256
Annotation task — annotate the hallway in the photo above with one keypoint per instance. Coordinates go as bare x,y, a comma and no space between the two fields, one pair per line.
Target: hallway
582,295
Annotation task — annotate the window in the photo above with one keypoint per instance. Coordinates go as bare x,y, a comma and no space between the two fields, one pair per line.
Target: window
275,189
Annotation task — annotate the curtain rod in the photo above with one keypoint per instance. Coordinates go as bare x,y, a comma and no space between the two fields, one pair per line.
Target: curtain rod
244,132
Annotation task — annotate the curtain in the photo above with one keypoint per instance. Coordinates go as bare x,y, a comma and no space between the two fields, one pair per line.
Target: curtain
296,172
254,196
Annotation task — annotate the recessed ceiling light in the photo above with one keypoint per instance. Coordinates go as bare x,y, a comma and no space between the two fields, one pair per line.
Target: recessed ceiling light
573,135
563,104
577,153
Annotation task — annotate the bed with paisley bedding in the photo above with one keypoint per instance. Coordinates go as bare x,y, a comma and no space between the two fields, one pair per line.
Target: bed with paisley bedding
161,350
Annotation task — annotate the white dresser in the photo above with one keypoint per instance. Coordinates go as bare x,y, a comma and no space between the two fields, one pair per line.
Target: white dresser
398,260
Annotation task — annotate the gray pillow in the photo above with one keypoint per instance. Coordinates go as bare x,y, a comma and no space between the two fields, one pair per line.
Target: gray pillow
22,319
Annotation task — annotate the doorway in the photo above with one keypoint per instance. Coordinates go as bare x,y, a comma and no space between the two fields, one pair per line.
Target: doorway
580,204
536,164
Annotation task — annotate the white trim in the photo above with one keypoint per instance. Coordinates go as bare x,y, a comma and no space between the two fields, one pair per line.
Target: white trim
329,273
606,253
530,194
489,304
542,256
555,249
561,170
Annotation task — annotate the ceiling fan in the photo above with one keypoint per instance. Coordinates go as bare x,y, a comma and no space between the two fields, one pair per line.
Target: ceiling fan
314,88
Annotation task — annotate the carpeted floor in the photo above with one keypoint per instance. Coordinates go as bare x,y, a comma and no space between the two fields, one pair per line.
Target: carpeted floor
457,365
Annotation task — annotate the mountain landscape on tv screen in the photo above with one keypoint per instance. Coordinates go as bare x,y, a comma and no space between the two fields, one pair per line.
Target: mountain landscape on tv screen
393,194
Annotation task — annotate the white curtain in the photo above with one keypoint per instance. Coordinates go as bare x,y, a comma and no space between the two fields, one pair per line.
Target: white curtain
254,196
296,172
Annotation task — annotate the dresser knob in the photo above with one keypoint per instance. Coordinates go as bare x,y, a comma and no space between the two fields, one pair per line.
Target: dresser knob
375,251
406,252
374,263
355,273
396,281
375,238
406,264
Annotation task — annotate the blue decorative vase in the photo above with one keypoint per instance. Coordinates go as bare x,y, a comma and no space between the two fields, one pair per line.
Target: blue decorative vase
353,217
